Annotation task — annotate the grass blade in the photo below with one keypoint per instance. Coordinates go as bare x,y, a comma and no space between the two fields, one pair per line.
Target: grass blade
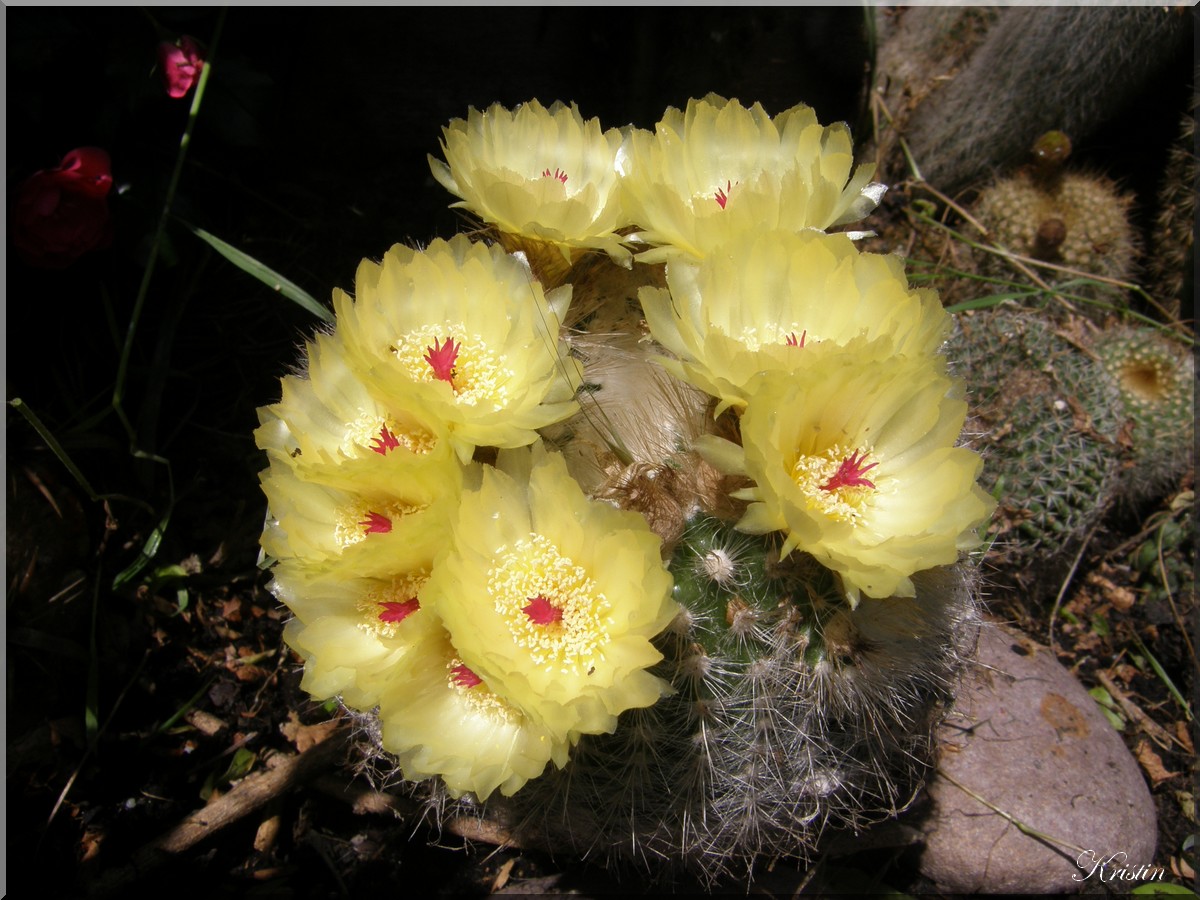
18,404
265,274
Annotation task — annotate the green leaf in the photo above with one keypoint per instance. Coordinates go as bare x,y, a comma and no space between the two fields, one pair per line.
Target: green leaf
146,556
265,274
241,764
1157,888
1109,707
989,300
1164,678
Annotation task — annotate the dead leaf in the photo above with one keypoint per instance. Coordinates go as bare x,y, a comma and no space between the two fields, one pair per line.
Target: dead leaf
305,736
1121,598
1187,804
231,609
204,722
501,878
268,832
1125,672
91,841
1152,763
1185,736
250,673
1181,869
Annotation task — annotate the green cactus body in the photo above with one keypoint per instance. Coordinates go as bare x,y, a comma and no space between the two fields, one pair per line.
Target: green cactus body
791,714
1074,220
1049,419
1156,380
1165,563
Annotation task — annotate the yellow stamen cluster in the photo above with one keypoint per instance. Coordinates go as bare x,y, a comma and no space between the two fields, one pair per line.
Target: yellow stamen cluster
480,377
812,473
532,568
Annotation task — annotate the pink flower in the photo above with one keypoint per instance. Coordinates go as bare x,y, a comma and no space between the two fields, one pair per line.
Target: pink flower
181,64
60,214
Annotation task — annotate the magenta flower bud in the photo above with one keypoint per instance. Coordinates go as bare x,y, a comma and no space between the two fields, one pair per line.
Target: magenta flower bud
181,64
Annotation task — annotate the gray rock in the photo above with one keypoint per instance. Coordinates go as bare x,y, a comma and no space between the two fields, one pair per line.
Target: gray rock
1026,737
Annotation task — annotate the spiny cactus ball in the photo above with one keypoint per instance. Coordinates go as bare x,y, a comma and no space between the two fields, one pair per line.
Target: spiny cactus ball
1156,378
792,715
1072,219
1049,419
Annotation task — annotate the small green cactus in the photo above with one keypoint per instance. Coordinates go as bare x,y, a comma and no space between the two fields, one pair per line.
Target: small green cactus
1164,565
1156,379
1049,419
1071,219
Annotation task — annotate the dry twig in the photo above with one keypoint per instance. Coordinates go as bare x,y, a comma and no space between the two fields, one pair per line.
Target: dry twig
250,794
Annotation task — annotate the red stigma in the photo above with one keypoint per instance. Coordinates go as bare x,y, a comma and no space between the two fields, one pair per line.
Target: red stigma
464,677
385,442
441,358
849,473
723,195
791,339
558,174
541,611
376,523
397,611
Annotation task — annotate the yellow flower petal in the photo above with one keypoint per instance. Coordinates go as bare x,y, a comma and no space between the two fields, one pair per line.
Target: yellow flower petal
465,329
327,415
765,301
545,174
441,720
554,598
854,460
352,632
719,170
369,519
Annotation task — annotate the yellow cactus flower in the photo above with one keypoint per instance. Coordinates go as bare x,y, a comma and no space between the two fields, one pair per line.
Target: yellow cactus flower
441,719
327,415
464,329
553,598
351,631
765,300
719,169
368,519
535,173
856,464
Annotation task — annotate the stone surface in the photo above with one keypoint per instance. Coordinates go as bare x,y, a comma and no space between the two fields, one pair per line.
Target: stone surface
1026,737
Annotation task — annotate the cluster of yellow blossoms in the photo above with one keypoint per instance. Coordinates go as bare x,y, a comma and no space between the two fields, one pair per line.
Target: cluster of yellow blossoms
443,566
474,605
